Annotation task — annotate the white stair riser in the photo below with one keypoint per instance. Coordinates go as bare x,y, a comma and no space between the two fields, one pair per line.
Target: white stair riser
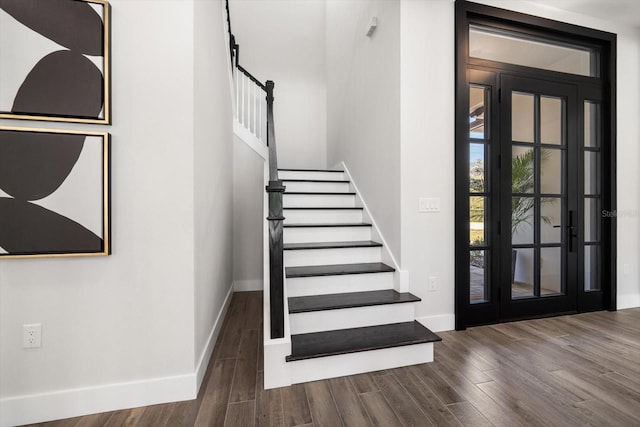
317,187
322,285
322,216
319,200
300,257
358,363
345,318
323,176
326,234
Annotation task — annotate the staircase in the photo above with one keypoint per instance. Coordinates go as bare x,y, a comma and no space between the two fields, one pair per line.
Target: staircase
345,316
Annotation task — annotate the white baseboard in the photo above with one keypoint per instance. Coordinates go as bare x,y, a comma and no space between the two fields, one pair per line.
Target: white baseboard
77,402
247,285
36,408
201,368
628,301
439,323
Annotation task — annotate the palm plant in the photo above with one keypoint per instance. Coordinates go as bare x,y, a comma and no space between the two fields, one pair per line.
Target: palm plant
522,182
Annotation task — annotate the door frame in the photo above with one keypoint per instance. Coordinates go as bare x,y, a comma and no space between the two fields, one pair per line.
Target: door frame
468,314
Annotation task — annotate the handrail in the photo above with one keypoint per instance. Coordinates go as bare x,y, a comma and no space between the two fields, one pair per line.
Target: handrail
253,79
275,188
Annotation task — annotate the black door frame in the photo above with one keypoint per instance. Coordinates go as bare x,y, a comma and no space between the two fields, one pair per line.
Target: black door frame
605,43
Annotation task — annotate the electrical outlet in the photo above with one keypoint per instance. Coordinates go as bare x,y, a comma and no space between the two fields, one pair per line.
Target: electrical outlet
433,283
32,335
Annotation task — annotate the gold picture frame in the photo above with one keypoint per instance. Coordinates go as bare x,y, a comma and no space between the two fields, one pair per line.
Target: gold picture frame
55,193
72,82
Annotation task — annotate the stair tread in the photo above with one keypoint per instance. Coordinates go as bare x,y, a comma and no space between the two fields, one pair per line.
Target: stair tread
312,170
330,343
321,208
337,269
331,245
316,180
321,193
348,300
329,224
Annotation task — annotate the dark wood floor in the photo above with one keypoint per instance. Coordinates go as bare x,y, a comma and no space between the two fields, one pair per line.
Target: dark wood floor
565,371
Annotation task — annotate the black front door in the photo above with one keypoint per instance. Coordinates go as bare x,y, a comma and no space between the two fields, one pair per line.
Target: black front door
538,201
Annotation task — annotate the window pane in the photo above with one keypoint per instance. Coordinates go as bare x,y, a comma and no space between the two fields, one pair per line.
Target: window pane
515,48
591,220
550,271
476,168
551,171
522,220
476,220
591,173
477,113
551,217
522,169
592,268
522,117
522,263
478,291
550,120
591,124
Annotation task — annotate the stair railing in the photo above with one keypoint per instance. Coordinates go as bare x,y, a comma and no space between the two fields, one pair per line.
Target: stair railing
255,113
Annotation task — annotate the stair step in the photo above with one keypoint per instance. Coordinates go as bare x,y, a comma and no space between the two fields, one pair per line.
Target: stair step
315,174
323,193
348,224
311,170
331,245
348,300
341,181
337,269
311,200
305,208
330,343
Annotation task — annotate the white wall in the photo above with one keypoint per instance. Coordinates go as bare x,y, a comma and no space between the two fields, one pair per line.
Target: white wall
120,331
283,41
248,217
213,177
427,153
363,104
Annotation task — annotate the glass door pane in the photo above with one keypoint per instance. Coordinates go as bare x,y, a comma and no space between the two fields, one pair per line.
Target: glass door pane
538,167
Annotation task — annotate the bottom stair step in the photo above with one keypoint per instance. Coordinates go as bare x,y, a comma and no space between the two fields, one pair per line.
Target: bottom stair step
331,343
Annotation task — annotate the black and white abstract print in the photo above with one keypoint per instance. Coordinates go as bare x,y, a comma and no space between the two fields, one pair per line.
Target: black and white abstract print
52,187
52,59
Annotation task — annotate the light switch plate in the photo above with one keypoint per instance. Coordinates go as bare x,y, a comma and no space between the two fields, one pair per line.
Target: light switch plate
428,204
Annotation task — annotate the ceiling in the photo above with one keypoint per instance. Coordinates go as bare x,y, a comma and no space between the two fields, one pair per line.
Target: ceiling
622,11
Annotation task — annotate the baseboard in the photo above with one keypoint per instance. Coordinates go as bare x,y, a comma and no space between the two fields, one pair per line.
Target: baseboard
201,368
628,301
439,323
247,285
36,408
63,404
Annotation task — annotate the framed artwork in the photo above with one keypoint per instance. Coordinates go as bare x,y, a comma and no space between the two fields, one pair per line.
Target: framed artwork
55,60
54,193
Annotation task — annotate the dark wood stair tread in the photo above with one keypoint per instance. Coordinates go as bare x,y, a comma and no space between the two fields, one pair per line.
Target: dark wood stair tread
337,269
316,180
348,300
329,224
322,208
330,343
311,170
320,193
331,245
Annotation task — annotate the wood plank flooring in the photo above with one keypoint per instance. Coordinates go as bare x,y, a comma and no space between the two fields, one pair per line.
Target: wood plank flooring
576,370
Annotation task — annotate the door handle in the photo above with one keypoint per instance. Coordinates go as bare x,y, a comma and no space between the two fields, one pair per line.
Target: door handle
571,230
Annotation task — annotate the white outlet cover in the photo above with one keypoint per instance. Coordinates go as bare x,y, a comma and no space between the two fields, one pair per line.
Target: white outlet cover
32,335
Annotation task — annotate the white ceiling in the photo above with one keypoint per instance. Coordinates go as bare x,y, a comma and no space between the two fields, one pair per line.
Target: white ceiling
623,11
